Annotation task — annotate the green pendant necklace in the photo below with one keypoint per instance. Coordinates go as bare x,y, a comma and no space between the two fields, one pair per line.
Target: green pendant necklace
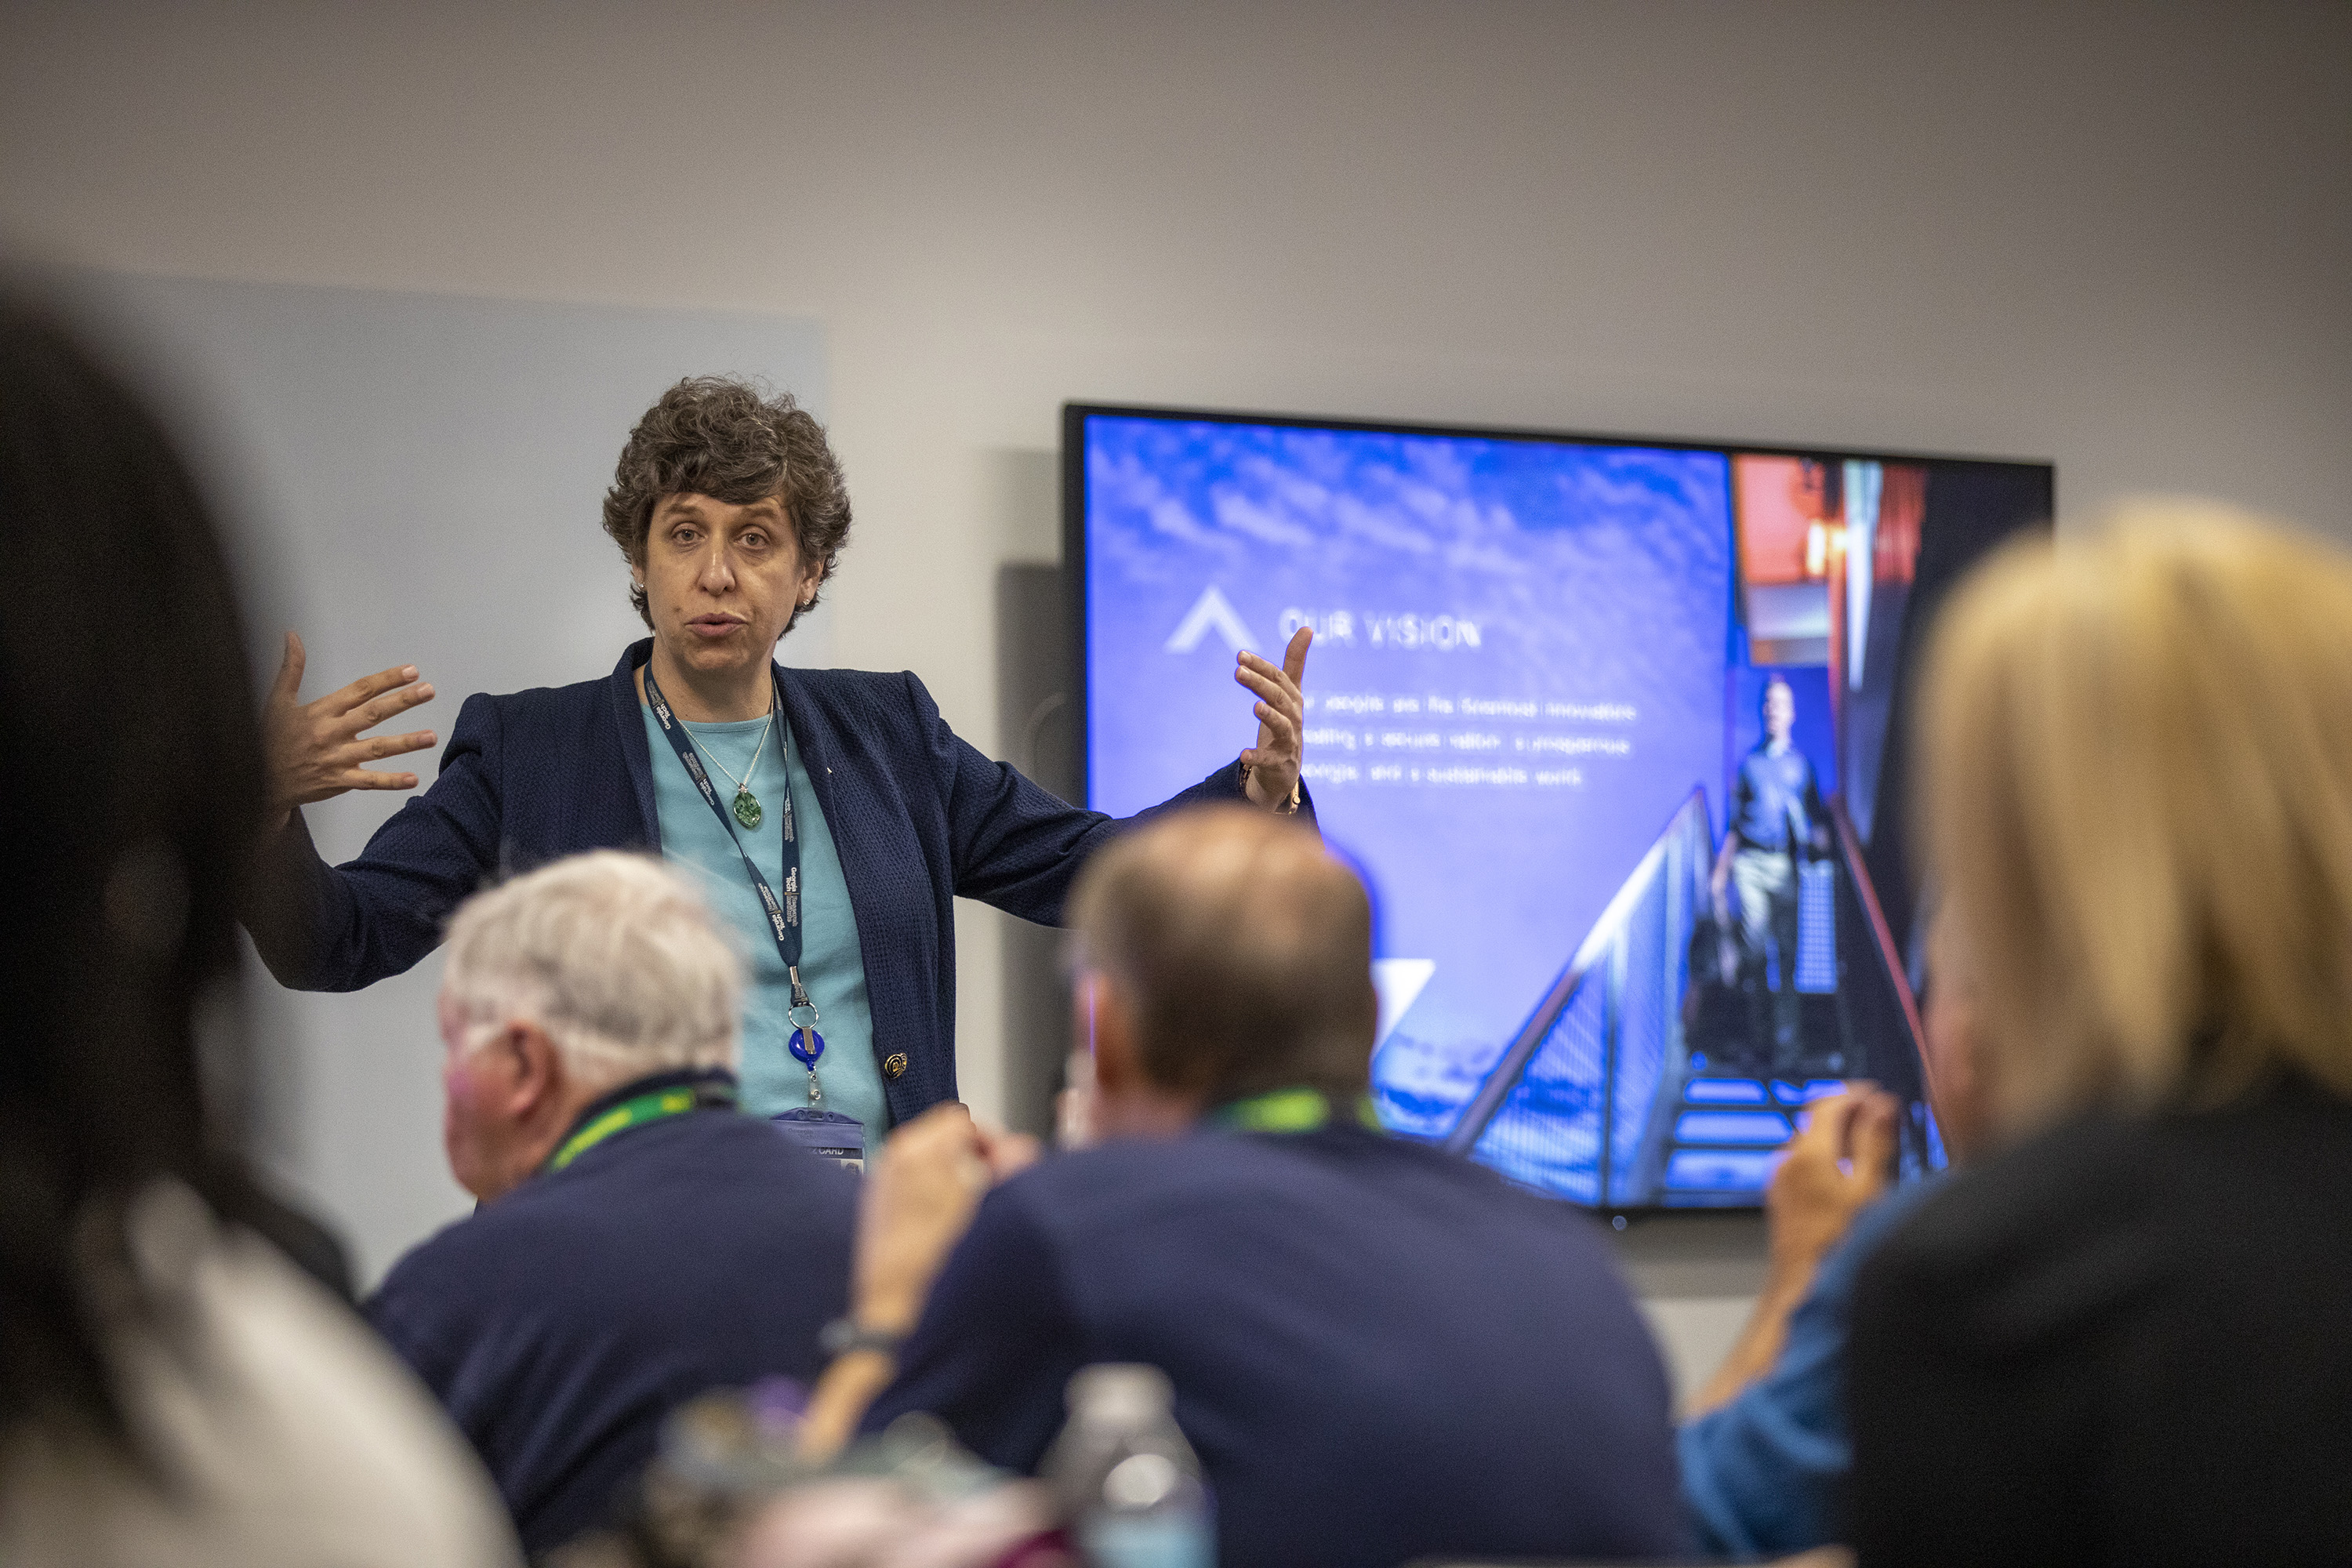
746,805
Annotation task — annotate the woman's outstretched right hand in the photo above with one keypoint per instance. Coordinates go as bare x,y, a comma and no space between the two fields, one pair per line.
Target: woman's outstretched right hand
315,750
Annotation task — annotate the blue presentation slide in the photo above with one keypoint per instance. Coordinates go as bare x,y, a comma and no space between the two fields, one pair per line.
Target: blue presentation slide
1522,655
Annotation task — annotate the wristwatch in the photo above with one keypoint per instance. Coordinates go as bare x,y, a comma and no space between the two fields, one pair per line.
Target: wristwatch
841,1335
1288,808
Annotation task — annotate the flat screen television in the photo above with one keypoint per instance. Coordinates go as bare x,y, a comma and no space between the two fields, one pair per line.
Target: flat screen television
1614,728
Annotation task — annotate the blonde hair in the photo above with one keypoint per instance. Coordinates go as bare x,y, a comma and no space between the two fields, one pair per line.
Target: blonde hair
614,955
2137,766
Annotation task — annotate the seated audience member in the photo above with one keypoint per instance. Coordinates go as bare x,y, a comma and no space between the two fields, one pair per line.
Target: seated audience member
639,1240
2122,1338
1379,1351
172,1389
1764,1454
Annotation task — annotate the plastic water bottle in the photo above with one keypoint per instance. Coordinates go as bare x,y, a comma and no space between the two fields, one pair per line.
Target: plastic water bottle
1127,1482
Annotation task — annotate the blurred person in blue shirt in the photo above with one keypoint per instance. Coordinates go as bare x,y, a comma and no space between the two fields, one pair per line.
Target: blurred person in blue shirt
1777,818
1381,1351
1766,1451
639,1240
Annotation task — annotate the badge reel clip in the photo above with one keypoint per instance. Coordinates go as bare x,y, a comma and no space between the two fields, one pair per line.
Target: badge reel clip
820,1131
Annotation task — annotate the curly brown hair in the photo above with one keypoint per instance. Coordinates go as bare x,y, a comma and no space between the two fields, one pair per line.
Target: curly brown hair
717,437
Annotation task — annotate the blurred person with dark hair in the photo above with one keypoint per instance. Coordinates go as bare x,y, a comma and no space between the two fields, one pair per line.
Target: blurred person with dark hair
172,1389
2121,1338
638,1241
1379,1351
832,815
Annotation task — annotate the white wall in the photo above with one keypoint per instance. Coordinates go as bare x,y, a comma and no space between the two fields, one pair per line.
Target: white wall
415,478
2114,236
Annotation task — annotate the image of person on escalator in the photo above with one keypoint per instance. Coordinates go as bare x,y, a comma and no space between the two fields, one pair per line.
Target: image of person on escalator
1777,820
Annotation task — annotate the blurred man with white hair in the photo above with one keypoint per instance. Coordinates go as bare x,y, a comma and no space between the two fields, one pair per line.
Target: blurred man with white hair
639,1240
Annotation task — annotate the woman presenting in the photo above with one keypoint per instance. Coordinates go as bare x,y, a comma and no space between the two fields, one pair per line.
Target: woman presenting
832,815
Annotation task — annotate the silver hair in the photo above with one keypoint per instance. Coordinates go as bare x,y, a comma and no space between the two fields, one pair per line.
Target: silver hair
616,955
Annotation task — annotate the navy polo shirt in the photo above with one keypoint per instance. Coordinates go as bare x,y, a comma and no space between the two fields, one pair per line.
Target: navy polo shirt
562,1323
1380,1351
1775,804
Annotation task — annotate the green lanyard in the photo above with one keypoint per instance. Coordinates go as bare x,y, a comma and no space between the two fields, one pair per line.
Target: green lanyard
1289,1111
654,1105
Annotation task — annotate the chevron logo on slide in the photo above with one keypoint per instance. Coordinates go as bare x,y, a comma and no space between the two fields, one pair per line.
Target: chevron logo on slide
1211,611
1398,982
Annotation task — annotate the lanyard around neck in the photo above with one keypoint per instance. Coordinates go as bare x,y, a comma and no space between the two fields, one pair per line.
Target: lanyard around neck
784,914
1289,1111
653,1105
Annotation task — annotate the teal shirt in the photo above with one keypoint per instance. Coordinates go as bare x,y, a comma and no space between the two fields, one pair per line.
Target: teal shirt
831,965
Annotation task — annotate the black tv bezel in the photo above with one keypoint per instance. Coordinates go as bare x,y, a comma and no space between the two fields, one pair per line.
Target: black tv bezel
1074,560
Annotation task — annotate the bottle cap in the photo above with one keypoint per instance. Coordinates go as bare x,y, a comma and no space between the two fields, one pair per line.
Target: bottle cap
1116,1390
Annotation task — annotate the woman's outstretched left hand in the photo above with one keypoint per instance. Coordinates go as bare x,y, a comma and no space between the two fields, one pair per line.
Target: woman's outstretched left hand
1274,762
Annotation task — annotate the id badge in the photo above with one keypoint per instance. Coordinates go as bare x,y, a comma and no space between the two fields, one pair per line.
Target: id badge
827,1134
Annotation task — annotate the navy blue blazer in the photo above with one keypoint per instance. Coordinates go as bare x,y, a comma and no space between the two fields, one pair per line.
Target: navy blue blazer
917,815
